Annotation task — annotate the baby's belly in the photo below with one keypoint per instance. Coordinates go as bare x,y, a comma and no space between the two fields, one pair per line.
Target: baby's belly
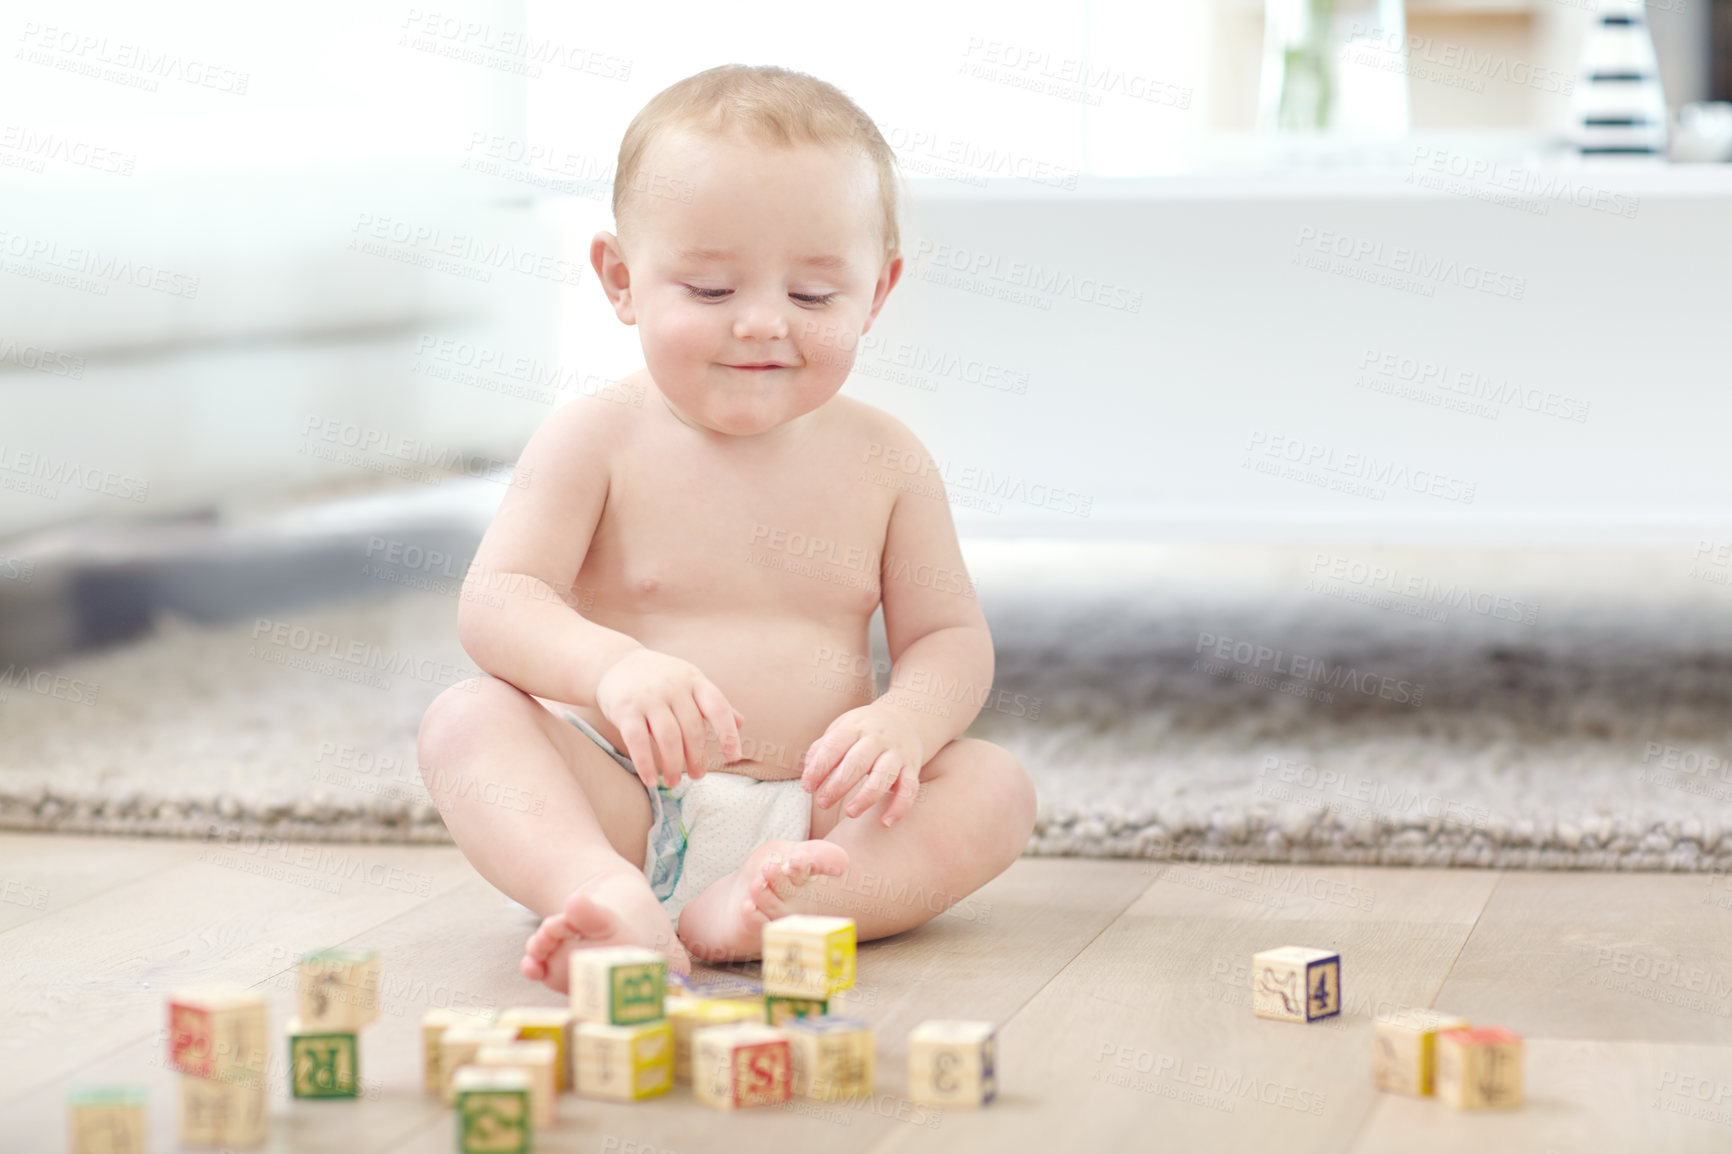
790,678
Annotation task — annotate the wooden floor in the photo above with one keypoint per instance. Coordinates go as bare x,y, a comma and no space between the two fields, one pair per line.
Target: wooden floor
1120,988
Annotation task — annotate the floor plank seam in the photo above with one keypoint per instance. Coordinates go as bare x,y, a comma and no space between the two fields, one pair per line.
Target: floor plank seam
1468,937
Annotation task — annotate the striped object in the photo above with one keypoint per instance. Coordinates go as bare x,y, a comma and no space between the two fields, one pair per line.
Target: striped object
1620,107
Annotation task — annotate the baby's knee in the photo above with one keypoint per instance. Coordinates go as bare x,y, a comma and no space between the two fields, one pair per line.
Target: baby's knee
457,721
1003,790
1020,803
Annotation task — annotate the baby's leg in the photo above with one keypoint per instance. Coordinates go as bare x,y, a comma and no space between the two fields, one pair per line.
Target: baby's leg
544,814
973,818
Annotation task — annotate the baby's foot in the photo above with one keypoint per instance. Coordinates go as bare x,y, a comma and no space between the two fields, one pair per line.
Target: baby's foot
726,921
610,909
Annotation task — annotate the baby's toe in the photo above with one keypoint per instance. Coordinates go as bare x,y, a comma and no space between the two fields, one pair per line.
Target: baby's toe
586,917
547,937
826,858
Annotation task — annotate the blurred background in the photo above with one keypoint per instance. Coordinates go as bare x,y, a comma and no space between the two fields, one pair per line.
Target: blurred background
1388,332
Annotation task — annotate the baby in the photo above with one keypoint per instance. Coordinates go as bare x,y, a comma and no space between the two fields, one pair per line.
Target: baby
674,609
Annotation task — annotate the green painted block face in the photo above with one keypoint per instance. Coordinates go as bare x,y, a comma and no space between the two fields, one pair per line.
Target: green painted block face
324,1066
492,1122
779,1009
637,992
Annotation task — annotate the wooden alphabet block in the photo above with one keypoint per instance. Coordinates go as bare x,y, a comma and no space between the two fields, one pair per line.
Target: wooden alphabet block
493,1110
617,985
1295,984
537,1060
780,1009
228,1112
806,956
338,989
106,1120
688,1015
625,1063
1404,1050
745,1064
323,1063
457,1047
434,1023
953,1063
546,1024
217,1032
1479,1068
832,1057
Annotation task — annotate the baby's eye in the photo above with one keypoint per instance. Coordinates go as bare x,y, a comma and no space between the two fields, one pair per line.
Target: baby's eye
707,294
807,299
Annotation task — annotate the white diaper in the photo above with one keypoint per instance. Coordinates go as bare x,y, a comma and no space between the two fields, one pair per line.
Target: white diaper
724,817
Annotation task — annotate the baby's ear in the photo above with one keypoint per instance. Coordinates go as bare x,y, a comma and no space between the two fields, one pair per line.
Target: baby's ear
607,257
887,278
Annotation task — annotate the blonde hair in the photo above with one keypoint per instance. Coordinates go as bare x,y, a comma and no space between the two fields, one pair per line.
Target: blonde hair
774,106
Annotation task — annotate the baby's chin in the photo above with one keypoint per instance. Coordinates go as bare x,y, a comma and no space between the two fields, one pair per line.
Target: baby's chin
741,420
747,416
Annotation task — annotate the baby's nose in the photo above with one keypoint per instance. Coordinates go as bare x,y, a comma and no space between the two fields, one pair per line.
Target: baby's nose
760,322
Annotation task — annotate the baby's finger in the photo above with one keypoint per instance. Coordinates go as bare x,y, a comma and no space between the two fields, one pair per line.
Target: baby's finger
879,779
692,734
722,716
635,732
665,728
907,789
821,758
854,765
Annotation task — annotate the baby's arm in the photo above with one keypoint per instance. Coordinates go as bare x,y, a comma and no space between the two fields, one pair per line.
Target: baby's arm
518,621
940,650
515,617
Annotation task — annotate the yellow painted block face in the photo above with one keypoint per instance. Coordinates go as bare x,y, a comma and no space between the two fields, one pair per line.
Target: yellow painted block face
808,956
546,1024
625,1063
1404,1050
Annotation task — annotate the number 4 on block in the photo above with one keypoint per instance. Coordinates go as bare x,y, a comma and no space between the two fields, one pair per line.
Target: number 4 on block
1294,984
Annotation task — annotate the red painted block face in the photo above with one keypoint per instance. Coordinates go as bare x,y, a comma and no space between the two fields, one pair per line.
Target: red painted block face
763,1073
190,1037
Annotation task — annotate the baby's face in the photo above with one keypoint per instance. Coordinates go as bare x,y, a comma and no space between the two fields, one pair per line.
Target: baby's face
751,297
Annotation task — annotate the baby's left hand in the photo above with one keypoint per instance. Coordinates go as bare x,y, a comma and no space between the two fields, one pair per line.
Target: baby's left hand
870,742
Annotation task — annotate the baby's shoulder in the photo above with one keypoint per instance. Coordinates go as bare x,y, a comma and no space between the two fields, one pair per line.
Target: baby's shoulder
595,421
858,423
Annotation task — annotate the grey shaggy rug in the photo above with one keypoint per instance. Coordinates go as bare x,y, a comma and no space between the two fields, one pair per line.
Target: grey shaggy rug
1319,705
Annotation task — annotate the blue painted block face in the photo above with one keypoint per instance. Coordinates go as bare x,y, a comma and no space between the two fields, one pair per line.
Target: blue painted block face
827,1024
1323,989
988,1062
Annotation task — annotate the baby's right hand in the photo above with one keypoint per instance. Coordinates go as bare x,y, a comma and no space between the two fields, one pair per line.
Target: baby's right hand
659,704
